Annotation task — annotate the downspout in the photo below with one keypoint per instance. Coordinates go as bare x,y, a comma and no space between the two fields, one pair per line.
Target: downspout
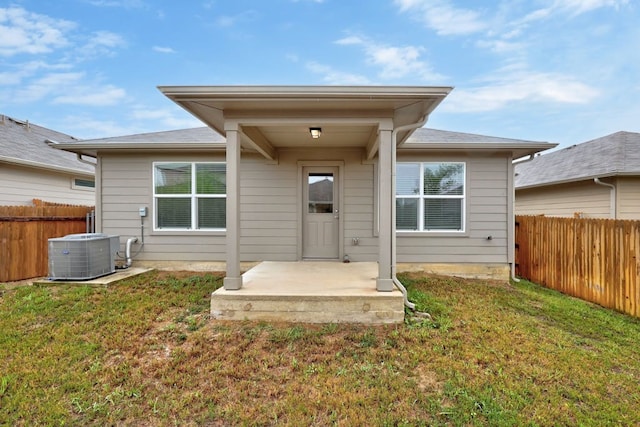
612,209
394,136
82,160
78,155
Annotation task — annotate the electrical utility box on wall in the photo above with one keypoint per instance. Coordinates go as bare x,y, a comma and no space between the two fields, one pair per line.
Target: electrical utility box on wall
82,256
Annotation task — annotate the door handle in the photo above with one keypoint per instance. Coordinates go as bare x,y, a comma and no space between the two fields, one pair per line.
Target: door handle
336,214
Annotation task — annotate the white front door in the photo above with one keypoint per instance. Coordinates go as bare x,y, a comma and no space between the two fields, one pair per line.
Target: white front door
321,213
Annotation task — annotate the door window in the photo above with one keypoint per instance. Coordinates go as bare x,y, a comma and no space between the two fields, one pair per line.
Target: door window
320,192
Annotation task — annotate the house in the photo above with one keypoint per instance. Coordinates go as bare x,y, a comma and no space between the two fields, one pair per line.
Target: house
595,179
31,169
293,173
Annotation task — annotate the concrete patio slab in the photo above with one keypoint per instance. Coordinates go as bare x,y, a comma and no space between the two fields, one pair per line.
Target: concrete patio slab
103,280
310,291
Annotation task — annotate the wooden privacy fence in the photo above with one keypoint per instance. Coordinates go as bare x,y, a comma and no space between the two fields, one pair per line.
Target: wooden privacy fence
24,235
597,260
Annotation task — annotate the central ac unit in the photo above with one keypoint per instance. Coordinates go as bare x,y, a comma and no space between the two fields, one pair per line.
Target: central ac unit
82,256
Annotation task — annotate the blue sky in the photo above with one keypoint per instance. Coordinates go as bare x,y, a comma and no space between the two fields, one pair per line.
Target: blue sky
564,71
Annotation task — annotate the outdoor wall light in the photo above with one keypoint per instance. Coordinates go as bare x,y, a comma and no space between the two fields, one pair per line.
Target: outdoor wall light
315,132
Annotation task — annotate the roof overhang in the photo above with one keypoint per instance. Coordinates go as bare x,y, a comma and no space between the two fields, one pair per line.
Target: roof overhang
274,117
91,149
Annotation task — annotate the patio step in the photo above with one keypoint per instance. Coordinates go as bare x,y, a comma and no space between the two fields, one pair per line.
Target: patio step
379,309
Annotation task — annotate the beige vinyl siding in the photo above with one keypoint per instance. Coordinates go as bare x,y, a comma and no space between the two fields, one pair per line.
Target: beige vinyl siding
486,215
271,211
270,208
628,189
586,198
358,212
127,186
20,185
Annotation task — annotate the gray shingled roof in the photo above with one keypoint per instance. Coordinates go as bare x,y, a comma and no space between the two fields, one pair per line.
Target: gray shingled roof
199,134
422,138
427,135
205,134
24,143
615,154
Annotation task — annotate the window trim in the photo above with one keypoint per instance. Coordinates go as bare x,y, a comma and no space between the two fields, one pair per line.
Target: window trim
421,197
194,196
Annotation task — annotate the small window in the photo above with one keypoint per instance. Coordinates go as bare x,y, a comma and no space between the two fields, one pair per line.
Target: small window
83,184
430,196
190,196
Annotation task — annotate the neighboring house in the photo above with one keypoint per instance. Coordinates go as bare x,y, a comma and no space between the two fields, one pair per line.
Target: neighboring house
257,186
595,179
31,169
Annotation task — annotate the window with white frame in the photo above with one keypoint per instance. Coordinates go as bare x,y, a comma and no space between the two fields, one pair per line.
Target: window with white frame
190,195
430,196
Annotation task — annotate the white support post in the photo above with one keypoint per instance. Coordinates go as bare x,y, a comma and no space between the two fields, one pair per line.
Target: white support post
386,202
233,279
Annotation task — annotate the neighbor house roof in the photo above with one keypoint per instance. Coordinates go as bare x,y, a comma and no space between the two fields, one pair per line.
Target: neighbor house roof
23,143
611,155
206,138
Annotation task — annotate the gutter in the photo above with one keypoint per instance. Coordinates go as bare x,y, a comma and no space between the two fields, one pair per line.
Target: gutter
51,143
43,166
612,209
394,137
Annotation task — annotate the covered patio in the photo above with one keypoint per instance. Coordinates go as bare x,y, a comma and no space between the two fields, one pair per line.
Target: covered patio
313,128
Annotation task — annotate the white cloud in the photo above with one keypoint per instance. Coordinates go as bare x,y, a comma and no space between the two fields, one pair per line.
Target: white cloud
167,118
334,77
128,120
43,87
443,17
521,87
292,57
98,96
163,49
106,39
86,127
226,21
69,88
577,7
500,46
27,69
395,62
100,44
31,33
564,7
126,4
10,78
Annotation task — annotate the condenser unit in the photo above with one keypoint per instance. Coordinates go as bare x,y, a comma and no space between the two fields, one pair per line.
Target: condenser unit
82,256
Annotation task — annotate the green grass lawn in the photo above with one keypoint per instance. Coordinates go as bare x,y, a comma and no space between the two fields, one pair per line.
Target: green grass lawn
143,352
